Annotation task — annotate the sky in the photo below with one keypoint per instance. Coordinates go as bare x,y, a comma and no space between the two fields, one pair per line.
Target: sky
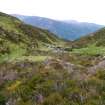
92,11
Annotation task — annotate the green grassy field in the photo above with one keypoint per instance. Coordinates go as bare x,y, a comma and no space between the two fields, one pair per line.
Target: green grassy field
16,51
32,58
90,50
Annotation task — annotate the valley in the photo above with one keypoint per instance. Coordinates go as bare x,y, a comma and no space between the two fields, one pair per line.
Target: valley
39,68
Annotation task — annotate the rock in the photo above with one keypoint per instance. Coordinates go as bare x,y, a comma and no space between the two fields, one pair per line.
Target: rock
92,70
39,98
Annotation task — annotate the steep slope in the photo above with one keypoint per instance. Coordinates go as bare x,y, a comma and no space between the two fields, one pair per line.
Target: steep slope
17,38
67,30
9,23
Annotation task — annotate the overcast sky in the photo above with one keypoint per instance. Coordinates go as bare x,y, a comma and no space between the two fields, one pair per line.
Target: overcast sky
81,10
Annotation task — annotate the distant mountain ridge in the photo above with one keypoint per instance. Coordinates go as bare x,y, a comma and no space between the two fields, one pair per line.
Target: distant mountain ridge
70,30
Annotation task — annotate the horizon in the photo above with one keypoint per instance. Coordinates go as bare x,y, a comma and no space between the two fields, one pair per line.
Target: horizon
91,11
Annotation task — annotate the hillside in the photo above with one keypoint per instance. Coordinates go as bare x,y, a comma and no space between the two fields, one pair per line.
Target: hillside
17,38
97,38
12,24
91,45
69,30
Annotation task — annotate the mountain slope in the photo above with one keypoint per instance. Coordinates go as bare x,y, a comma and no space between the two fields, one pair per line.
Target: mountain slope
18,39
12,24
97,38
68,30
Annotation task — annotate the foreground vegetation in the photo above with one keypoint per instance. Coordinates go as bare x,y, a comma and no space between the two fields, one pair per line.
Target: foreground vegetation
50,83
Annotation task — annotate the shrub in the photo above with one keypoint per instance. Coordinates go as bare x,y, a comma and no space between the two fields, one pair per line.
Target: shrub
2,100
